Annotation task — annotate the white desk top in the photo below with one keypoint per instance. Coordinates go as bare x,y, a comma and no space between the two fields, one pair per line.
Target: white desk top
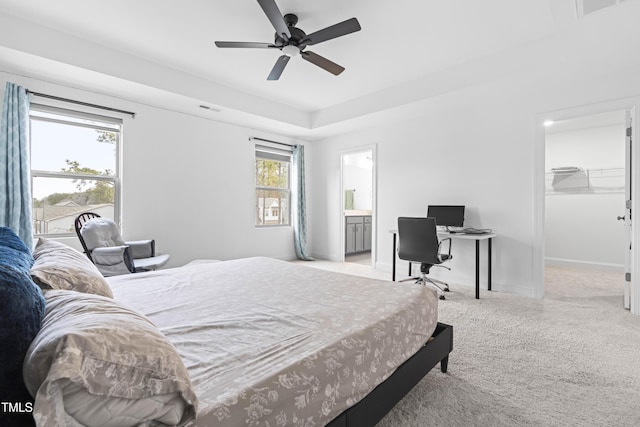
468,236
461,236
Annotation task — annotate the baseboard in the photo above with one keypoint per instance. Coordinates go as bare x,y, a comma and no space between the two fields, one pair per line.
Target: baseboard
383,266
326,257
561,262
460,280
522,291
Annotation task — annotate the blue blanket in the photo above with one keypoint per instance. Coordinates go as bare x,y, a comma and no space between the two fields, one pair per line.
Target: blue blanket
21,311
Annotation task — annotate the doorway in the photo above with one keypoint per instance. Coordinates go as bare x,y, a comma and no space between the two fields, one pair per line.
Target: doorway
358,189
586,186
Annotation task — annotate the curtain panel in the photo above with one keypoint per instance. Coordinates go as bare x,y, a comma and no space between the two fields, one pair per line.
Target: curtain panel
15,182
299,205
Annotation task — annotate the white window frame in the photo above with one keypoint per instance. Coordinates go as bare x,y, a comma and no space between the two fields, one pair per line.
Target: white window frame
268,152
78,114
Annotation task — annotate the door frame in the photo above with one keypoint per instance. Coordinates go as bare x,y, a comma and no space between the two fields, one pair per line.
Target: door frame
374,203
631,104
629,122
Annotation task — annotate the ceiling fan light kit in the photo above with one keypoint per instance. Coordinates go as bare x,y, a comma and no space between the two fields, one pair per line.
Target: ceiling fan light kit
291,50
292,41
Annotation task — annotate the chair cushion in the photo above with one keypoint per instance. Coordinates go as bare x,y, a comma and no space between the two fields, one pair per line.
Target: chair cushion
113,261
101,232
153,263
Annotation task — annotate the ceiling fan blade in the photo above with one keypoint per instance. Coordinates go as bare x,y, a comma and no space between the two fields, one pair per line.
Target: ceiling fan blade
246,44
278,68
322,62
343,28
273,13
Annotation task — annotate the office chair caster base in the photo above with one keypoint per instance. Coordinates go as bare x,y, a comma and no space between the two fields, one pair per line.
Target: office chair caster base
439,283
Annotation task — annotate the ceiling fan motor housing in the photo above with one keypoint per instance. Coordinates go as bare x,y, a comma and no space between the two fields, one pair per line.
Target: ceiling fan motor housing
297,35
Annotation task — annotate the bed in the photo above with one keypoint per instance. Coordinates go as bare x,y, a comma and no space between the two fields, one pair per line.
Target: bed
263,342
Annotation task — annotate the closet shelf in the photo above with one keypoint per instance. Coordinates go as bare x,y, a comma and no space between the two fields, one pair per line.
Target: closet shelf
572,179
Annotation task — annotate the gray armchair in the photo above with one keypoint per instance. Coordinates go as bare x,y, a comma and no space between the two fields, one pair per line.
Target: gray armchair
103,244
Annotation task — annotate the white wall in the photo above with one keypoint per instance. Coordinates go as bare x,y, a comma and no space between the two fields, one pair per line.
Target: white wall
581,228
474,147
360,179
188,182
460,142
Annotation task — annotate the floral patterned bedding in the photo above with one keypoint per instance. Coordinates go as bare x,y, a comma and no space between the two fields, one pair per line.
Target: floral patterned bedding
272,343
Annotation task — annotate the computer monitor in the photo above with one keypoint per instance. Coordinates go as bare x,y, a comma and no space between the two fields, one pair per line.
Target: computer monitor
447,215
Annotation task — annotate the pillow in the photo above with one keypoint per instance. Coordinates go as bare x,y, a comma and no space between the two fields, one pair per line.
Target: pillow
58,266
97,362
21,311
13,251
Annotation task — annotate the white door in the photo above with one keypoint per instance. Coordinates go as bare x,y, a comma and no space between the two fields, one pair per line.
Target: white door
627,212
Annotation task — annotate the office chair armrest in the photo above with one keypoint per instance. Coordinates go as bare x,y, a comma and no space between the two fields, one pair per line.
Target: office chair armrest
441,242
113,260
440,248
142,248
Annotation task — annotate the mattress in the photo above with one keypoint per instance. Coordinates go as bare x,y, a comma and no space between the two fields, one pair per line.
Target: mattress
272,343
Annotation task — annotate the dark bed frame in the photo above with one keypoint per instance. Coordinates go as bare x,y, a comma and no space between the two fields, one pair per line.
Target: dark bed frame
379,402
385,396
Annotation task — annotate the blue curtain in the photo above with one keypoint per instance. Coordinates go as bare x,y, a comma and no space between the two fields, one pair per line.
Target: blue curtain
299,204
15,181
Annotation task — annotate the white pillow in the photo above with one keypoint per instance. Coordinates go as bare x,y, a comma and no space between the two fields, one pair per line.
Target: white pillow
109,411
58,266
95,360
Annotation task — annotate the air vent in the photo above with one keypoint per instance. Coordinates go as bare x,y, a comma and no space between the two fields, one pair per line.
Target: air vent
586,7
207,107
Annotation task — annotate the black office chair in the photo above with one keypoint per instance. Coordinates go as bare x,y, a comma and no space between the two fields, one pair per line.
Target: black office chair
418,242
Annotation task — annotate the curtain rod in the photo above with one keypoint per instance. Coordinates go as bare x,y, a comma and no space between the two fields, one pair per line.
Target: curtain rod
86,104
273,142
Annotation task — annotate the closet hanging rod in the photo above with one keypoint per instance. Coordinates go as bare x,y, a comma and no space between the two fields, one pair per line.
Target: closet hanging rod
85,104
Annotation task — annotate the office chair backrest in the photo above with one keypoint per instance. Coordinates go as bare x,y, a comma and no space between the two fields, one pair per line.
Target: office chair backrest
418,240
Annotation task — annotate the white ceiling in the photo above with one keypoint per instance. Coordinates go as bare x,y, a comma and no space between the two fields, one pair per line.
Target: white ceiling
163,53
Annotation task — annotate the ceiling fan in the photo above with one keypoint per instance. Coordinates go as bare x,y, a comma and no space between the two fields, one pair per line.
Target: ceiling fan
292,40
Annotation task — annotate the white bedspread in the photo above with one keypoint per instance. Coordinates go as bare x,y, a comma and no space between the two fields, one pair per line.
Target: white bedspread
271,343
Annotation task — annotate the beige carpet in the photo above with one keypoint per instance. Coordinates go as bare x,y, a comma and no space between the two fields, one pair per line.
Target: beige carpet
571,359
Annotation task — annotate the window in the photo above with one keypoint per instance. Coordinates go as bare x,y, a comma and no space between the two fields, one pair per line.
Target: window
273,193
74,167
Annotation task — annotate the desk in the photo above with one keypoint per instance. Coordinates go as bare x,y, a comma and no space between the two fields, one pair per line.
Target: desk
456,236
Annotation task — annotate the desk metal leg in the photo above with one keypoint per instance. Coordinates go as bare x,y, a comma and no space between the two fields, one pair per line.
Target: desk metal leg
477,269
393,257
489,266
